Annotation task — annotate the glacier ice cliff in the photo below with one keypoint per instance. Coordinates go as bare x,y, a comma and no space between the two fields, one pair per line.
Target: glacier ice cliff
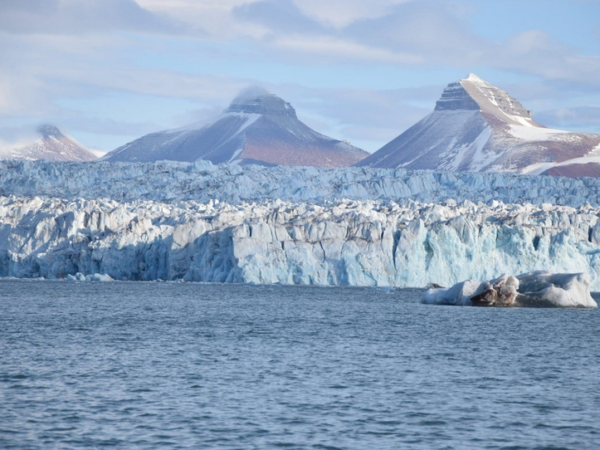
62,219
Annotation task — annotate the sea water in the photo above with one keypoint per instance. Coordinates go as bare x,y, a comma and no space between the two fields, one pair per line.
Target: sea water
167,365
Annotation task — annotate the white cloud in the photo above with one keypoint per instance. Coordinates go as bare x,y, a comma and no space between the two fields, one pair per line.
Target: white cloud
79,17
537,53
341,13
213,17
341,50
22,94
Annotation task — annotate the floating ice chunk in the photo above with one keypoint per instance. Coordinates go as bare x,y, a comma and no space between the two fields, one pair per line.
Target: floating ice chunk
460,294
538,289
561,290
93,277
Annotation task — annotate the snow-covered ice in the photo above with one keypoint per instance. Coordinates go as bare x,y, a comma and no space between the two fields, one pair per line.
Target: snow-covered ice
363,227
93,277
291,225
538,289
202,181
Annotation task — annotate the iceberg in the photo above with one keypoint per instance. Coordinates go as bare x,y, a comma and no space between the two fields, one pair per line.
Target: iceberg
538,289
547,290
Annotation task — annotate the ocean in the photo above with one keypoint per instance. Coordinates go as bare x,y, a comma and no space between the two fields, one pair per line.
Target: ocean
141,365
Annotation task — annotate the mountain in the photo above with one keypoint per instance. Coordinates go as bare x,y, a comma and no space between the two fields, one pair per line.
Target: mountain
478,127
51,145
257,128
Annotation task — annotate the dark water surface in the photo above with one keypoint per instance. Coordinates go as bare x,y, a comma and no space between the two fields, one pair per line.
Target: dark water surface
156,365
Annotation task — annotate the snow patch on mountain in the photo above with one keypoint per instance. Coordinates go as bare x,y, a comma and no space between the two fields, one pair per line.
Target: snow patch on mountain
471,153
528,133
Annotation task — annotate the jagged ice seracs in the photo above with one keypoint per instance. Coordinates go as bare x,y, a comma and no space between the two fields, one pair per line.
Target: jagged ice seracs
291,225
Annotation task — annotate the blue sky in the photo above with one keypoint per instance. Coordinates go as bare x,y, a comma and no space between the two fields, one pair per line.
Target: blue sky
109,71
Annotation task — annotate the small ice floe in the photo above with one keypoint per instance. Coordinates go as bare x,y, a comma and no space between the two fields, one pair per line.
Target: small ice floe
538,289
93,277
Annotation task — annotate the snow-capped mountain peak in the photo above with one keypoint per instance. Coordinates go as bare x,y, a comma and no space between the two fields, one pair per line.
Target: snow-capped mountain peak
258,127
477,126
475,79
49,144
49,131
473,93
261,102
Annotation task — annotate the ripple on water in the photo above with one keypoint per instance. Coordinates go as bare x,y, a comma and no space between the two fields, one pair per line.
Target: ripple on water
133,365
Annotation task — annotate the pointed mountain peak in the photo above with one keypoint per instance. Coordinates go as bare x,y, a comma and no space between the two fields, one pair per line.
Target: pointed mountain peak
472,78
48,131
475,94
456,98
50,145
257,100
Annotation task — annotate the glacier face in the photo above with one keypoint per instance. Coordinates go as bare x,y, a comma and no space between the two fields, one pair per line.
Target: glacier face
332,242
202,181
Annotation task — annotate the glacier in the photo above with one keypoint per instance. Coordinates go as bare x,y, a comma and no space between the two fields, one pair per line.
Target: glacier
291,225
202,181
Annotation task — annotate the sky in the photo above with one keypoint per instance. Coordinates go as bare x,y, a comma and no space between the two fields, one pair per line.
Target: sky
109,71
